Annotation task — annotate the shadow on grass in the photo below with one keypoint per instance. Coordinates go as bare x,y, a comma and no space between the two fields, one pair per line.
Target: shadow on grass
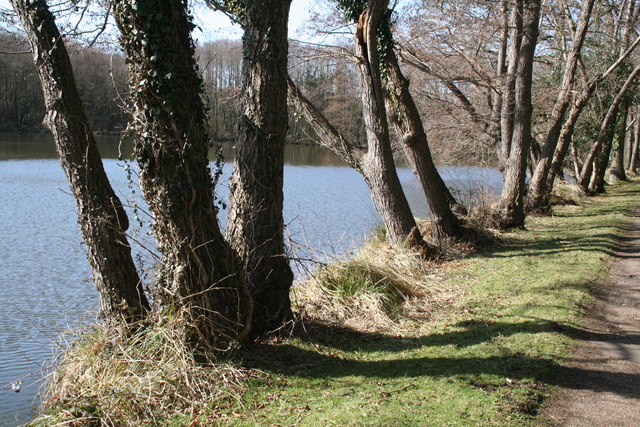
470,333
326,360
610,244
330,351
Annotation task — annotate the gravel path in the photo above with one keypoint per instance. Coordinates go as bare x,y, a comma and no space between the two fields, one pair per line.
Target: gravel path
604,385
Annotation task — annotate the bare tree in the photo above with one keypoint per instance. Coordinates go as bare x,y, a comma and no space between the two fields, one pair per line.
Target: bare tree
376,164
588,165
538,191
256,225
405,116
510,209
508,111
101,215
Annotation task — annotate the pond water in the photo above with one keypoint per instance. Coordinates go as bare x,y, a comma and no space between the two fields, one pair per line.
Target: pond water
44,275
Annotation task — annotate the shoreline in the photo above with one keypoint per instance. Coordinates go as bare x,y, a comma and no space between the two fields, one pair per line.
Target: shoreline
486,344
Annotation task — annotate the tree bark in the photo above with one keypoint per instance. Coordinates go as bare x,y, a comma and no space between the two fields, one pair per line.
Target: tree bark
609,120
101,216
508,94
377,164
635,152
405,117
199,271
510,210
256,225
617,172
538,191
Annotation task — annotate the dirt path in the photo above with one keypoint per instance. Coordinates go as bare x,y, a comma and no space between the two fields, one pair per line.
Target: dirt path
604,385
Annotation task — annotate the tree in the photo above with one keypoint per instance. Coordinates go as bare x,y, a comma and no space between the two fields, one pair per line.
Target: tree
614,32
256,225
510,210
405,116
199,271
508,101
604,133
101,215
461,72
376,164
617,170
578,104
538,191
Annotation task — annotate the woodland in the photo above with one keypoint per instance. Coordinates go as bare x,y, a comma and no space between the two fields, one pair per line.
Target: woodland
545,91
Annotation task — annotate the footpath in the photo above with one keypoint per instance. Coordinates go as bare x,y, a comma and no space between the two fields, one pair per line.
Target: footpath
604,384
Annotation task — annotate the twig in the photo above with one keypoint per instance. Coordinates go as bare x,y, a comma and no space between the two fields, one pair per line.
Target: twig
398,390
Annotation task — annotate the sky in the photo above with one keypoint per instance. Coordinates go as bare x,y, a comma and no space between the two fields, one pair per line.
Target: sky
215,25
218,26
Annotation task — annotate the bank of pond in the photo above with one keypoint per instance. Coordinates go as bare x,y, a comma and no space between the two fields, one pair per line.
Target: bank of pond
44,274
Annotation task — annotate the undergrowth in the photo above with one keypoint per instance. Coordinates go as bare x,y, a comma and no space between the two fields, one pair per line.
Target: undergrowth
115,374
373,289
565,193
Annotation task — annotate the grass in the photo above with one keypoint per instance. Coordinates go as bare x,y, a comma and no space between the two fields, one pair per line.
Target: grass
116,375
386,340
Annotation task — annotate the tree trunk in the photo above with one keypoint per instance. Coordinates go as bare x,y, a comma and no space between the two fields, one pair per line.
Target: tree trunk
538,190
199,270
101,215
510,210
609,120
635,152
597,182
377,164
628,140
405,117
617,171
256,226
336,142
501,71
327,133
508,94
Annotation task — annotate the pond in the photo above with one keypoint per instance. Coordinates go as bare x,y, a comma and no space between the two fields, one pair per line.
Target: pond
45,280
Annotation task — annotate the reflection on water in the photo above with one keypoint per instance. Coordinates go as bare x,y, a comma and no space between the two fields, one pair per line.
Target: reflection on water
40,146
44,273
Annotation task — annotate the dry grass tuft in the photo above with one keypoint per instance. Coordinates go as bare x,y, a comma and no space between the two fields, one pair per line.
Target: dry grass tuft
565,193
475,234
372,290
113,376
481,220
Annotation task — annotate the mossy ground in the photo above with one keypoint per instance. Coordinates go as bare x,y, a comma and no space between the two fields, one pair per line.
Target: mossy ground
500,325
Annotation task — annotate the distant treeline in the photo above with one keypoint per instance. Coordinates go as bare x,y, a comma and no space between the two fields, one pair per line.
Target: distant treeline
102,81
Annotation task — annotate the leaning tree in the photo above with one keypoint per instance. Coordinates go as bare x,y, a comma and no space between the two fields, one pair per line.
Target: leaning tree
102,218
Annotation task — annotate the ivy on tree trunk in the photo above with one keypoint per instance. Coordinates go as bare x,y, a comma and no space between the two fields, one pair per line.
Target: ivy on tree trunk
199,271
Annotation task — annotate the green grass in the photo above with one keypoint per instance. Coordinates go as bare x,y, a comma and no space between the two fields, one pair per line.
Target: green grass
479,341
490,356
